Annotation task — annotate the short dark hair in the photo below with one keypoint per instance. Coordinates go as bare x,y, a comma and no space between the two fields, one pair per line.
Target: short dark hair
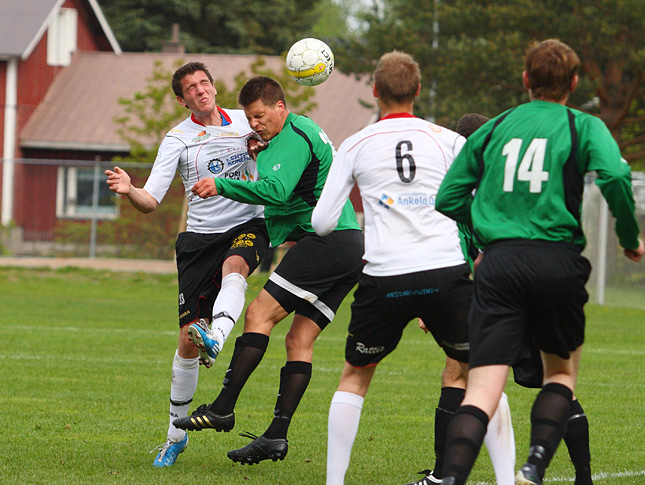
264,88
551,66
190,68
470,123
397,77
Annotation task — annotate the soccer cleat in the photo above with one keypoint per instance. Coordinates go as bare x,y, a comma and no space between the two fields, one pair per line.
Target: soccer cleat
528,475
259,449
429,478
168,452
200,334
203,418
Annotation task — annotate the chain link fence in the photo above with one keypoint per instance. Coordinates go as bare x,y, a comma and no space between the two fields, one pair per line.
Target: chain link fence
63,208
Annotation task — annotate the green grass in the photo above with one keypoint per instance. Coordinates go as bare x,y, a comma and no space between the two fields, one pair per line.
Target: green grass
85,362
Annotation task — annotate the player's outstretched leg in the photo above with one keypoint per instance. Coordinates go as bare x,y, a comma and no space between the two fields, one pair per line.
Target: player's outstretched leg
209,346
249,350
273,444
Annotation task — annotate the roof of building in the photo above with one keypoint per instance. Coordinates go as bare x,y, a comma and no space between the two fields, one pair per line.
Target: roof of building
24,22
81,106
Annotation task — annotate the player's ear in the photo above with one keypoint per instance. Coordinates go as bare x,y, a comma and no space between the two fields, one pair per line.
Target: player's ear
374,91
181,101
418,90
574,83
525,79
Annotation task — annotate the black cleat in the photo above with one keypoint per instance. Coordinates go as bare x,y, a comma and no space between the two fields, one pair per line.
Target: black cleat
259,449
428,479
204,418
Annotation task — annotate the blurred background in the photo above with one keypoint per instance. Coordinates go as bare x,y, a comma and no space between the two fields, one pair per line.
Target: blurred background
85,86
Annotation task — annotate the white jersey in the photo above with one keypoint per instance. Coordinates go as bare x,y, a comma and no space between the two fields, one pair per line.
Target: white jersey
398,164
198,151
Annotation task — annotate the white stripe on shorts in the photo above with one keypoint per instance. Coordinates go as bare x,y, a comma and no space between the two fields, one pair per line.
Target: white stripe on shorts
304,294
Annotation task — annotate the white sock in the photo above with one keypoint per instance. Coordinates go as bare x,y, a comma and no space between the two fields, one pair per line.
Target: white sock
500,443
182,389
230,301
344,416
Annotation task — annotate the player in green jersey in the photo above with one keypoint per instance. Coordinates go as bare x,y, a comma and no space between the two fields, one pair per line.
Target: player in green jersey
528,166
312,279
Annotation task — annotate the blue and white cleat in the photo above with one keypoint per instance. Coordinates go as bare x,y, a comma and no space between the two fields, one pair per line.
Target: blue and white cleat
201,335
168,452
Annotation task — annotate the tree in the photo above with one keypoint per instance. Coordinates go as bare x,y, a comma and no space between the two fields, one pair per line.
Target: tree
478,61
213,26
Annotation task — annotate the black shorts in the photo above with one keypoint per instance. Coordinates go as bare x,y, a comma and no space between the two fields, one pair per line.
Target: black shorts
199,263
316,274
384,305
527,369
527,287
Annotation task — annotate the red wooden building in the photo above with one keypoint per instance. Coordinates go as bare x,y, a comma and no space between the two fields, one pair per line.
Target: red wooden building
62,74
37,41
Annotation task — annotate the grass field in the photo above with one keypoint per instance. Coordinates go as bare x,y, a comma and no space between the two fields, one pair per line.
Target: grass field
85,362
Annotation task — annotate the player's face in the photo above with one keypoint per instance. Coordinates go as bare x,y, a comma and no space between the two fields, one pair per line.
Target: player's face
264,119
199,93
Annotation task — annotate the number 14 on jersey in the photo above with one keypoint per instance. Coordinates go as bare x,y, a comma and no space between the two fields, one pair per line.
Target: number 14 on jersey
531,166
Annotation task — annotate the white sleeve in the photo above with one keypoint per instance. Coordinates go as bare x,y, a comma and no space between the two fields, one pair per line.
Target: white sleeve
164,168
460,141
338,185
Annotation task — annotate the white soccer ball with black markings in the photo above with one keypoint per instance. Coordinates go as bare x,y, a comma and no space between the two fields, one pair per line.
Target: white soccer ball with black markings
310,61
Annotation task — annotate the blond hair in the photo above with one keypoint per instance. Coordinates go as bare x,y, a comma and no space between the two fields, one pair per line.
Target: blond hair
397,77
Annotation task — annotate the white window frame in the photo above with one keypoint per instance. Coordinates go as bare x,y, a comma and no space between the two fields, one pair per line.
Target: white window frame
62,36
67,206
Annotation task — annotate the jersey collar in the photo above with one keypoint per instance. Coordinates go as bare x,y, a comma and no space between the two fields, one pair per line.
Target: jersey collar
226,119
397,115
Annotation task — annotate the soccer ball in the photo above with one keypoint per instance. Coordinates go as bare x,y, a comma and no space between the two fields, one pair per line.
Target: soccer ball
310,61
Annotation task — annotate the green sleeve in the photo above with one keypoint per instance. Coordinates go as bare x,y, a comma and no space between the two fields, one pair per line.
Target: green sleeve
614,180
280,168
454,197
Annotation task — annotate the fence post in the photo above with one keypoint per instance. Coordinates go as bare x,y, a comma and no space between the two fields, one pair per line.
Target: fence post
95,205
601,281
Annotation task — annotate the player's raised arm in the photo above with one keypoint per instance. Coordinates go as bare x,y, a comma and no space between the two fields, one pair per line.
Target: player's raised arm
119,181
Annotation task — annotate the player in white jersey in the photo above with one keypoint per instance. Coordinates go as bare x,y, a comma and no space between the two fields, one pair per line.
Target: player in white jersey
414,264
224,241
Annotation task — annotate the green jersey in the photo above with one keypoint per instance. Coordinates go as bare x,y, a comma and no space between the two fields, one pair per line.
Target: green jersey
528,167
291,173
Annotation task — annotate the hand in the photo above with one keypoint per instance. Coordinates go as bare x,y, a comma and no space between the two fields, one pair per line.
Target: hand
478,260
254,146
118,181
422,326
635,254
205,188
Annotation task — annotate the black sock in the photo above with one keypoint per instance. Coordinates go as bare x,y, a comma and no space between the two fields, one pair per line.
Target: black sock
465,436
576,438
449,401
549,415
294,379
249,350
